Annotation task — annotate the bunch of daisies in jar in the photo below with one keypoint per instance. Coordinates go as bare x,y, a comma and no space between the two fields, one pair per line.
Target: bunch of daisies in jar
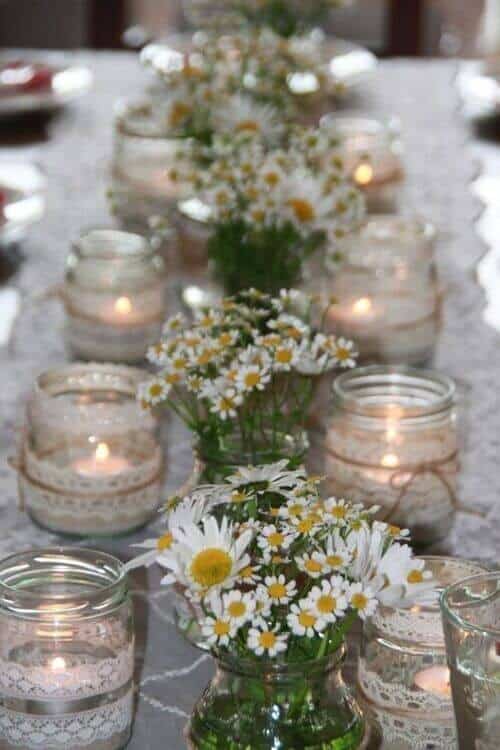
242,376
273,209
277,576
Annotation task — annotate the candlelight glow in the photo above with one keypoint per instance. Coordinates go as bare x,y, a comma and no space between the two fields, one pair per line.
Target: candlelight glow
391,432
390,461
363,174
58,663
123,306
434,680
102,452
362,306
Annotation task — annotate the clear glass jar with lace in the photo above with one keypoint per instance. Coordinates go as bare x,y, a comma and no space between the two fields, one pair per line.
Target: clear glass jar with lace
114,296
385,280
392,440
66,651
91,462
403,680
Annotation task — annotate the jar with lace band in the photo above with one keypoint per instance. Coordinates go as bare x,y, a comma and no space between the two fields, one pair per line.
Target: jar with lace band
66,651
393,440
403,680
114,296
385,280
91,462
373,155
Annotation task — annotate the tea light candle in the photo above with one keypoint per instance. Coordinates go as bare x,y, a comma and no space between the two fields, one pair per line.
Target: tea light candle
403,680
66,651
144,181
114,296
392,441
372,152
92,462
387,288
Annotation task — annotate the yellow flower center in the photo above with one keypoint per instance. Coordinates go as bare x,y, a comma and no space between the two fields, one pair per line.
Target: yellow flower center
277,559
295,510
238,496
247,572
155,390
165,542
251,125
221,627
267,640
335,561
237,609
303,210
338,511
313,566
226,404
307,620
205,357
326,604
272,178
252,379
359,601
258,215
415,576
276,539
172,378
305,525
178,113
225,339
283,356
394,530
277,590
180,363
211,566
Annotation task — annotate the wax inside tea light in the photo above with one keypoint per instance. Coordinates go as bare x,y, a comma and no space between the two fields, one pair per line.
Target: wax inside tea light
363,174
434,680
101,463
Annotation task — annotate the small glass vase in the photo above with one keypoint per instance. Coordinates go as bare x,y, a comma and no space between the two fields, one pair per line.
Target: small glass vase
220,458
265,705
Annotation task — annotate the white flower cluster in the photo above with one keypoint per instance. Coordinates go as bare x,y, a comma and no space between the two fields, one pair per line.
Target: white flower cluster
302,185
237,351
292,574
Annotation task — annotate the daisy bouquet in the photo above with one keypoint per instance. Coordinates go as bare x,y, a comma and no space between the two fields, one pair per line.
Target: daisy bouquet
278,589
242,376
286,17
273,208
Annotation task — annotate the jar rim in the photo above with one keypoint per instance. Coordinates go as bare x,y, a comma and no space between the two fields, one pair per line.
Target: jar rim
91,371
450,613
368,391
137,248
105,576
280,669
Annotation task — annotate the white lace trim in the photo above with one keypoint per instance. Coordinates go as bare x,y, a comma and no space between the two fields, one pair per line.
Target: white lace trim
399,697
420,733
68,732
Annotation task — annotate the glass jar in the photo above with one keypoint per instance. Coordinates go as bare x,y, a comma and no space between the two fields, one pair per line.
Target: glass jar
143,166
373,156
392,440
66,651
403,680
387,289
91,462
194,230
114,296
471,618
266,705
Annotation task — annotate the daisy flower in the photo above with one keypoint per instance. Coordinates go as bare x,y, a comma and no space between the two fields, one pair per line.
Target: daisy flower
225,404
249,574
295,508
285,356
313,564
271,477
277,589
153,392
174,324
328,601
338,556
239,607
218,628
344,354
262,640
273,540
303,620
242,114
337,511
362,599
252,378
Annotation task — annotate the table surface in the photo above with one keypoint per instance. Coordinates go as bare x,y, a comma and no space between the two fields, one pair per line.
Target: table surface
443,158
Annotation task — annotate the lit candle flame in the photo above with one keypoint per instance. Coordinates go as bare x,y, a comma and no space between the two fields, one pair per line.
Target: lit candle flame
362,306
363,174
58,664
102,452
390,461
123,306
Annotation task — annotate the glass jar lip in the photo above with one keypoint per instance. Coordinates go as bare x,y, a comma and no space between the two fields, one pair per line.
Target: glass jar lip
136,119
135,247
107,572
91,372
381,129
449,612
439,391
278,668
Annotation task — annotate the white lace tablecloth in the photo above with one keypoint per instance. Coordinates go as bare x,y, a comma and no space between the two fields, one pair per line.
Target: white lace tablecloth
74,149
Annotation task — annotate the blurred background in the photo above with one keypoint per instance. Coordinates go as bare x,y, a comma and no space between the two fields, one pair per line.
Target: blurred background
388,27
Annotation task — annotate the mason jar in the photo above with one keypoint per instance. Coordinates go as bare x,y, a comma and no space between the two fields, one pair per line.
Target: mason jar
386,290
143,170
392,440
91,462
66,651
114,296
403,679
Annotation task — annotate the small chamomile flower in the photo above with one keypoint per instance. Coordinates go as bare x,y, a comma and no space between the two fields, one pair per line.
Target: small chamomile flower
304,621
218,628
278,590
266,641
329,601
239,607
362,599
226,404
153,391
274,540
344,354
252,378
313,564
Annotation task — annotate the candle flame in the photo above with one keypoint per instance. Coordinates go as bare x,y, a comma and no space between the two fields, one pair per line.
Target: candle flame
362,306
363,174
58,663
102,452
123,306
390,461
